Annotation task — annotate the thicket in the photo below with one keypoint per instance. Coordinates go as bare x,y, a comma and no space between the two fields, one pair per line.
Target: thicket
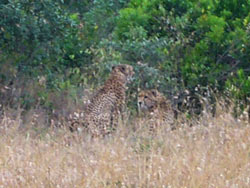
54,48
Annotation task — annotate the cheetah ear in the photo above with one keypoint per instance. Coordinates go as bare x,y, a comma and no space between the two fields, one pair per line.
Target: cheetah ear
154,92
122,69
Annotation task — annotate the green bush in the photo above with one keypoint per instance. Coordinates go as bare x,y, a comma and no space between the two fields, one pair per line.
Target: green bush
173,45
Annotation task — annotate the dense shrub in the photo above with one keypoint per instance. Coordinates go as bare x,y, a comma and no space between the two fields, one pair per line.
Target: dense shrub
174,45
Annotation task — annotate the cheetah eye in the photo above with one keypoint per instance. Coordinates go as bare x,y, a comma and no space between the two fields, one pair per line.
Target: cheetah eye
151,107
145,97
122,69
154,93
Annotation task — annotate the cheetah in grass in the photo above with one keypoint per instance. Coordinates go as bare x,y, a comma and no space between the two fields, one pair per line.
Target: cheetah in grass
101,115
156,107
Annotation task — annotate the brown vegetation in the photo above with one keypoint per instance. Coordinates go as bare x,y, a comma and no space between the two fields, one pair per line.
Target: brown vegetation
215,152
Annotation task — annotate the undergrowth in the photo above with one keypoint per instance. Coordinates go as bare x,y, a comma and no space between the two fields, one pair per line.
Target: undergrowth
213,152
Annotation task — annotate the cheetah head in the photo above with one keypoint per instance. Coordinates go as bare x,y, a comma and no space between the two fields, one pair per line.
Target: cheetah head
124,71
148,100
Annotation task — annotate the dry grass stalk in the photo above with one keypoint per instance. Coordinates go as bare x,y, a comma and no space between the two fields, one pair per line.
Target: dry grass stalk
215,152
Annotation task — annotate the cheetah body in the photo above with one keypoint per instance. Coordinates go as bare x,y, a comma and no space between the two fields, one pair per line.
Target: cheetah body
101,115
156,107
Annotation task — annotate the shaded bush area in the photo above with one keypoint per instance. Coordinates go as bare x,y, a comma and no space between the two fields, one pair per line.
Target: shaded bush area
51,50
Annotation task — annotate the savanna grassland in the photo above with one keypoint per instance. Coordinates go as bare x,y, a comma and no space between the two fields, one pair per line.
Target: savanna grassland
214,152
54,54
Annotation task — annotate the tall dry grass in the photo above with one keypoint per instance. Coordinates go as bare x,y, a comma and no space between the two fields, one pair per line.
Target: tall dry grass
214,152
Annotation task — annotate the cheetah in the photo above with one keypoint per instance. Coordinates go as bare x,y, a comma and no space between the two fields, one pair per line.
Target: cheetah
156,107
102,113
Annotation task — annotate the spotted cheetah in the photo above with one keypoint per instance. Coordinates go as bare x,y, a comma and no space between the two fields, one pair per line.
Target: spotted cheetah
156,107
102,113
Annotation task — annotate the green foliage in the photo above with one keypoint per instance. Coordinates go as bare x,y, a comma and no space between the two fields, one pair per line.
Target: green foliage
40,35
173,45
157,16
100,20
239,86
